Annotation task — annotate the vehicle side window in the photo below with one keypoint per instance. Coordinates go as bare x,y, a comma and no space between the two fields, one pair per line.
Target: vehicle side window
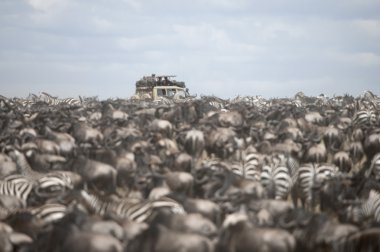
161,92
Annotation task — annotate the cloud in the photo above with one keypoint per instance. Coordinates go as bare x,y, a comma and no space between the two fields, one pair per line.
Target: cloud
363,59
225,47
103,24
367,58
202,36
135,4
370,26
46,5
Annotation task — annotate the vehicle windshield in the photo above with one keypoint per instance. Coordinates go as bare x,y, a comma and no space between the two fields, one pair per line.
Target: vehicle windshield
181,93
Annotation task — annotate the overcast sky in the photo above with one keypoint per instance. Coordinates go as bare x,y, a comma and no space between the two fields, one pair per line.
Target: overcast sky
226,48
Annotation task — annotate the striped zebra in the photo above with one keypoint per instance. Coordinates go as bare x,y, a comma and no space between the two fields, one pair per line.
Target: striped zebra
55,184
376,103
214,102
276,176
311,177
49,213
237,168
369,98
248,165
25,103
54,101
369,209
139,212
252,165
214,164
44,215
365,118
162,100
16,186
374,167
45,185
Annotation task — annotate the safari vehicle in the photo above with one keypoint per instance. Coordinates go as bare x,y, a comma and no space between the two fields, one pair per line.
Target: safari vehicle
155,87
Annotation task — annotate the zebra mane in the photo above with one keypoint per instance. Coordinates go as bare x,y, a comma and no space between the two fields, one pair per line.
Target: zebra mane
54,97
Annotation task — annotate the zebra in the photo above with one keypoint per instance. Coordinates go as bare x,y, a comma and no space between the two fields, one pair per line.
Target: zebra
374,167
237,168
252,165
139,212
44,215
49,213
54,101
311,176
45,185
276,177
49,99
367,210
369,98
214,102
16,186
56,183
365,118
25,103
248,164
164,101
72,102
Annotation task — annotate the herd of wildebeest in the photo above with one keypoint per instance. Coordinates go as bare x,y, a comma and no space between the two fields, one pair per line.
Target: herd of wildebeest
194,175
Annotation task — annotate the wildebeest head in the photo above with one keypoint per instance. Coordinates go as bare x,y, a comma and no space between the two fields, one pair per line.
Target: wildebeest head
221,142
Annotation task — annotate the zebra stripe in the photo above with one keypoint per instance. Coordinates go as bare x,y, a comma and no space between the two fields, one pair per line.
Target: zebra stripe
17,187
365,118
276,177
25,103
70,101
369,209
214,102
45,185
49,213
50,186
311,177
45,214
375,167
214,164
251,166
139,212
248,166
54,101
237,168
56,183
